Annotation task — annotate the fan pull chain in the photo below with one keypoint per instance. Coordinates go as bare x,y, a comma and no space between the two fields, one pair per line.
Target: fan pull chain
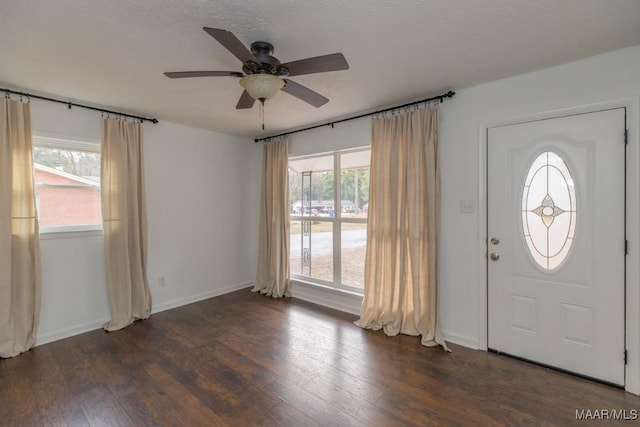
262,112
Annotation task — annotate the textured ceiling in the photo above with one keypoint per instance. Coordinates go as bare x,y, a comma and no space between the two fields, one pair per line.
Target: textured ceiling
113,53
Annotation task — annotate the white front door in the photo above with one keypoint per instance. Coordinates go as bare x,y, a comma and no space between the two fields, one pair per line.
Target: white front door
556,242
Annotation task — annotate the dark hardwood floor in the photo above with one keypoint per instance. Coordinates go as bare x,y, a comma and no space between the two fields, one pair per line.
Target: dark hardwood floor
242,359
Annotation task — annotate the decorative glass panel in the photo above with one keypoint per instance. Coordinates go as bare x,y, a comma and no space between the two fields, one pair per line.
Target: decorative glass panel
549,210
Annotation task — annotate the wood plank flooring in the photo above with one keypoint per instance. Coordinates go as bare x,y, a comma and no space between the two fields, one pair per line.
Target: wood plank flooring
242,359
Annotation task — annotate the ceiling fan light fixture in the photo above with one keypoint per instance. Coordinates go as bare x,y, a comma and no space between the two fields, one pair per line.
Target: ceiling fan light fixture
262,86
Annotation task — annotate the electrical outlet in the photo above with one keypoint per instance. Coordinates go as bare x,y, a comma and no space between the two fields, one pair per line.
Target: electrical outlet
467,206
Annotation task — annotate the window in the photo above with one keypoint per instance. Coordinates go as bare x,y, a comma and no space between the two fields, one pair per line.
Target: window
549,210
67,184
328,230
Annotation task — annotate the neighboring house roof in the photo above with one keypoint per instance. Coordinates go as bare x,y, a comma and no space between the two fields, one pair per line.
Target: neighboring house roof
76,178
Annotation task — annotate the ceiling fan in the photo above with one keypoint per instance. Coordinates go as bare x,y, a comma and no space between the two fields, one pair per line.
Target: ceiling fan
263,75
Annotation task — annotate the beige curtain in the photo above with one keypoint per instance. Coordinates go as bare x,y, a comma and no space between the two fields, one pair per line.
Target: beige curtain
401,267
272,277
19,244
125,223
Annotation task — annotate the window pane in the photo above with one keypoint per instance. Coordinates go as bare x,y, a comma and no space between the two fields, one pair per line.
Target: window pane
354,184
295,191
311,183
311,186
354,250
321,251
67,185
311,250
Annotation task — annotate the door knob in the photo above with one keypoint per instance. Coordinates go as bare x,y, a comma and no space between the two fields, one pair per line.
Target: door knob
494,256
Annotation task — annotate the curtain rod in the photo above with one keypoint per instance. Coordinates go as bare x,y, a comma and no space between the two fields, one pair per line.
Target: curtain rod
433,98
73,104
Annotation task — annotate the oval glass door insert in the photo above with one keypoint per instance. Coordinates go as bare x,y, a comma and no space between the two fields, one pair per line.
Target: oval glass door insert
549,210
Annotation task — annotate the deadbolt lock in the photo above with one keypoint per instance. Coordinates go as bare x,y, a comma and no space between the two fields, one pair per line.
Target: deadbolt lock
494,241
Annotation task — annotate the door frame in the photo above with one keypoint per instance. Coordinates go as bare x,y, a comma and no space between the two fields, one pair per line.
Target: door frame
632,226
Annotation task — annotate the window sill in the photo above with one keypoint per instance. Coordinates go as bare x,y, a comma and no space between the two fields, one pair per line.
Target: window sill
339,299
69,234
301,280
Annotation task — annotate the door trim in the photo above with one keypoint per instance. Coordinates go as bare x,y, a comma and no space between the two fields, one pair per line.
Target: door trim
632,214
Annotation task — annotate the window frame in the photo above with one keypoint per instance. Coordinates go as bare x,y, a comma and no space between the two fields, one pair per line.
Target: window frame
73,144
336,222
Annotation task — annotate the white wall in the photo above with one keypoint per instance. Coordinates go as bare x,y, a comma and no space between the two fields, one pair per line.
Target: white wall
202,202
349,134
203,198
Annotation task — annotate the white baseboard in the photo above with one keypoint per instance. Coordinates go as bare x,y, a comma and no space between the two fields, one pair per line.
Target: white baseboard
69,332
199,297
343,301
339,300
97,324
350,303
465,341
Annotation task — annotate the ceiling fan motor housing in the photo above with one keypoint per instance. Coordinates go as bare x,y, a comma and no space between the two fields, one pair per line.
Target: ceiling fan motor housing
268,64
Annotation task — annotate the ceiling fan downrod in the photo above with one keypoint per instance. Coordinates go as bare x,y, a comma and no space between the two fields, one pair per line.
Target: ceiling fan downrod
262,110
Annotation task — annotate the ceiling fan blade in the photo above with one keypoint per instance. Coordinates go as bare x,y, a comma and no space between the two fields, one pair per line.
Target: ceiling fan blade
246,101
232,44
317,64
304,93
183,74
